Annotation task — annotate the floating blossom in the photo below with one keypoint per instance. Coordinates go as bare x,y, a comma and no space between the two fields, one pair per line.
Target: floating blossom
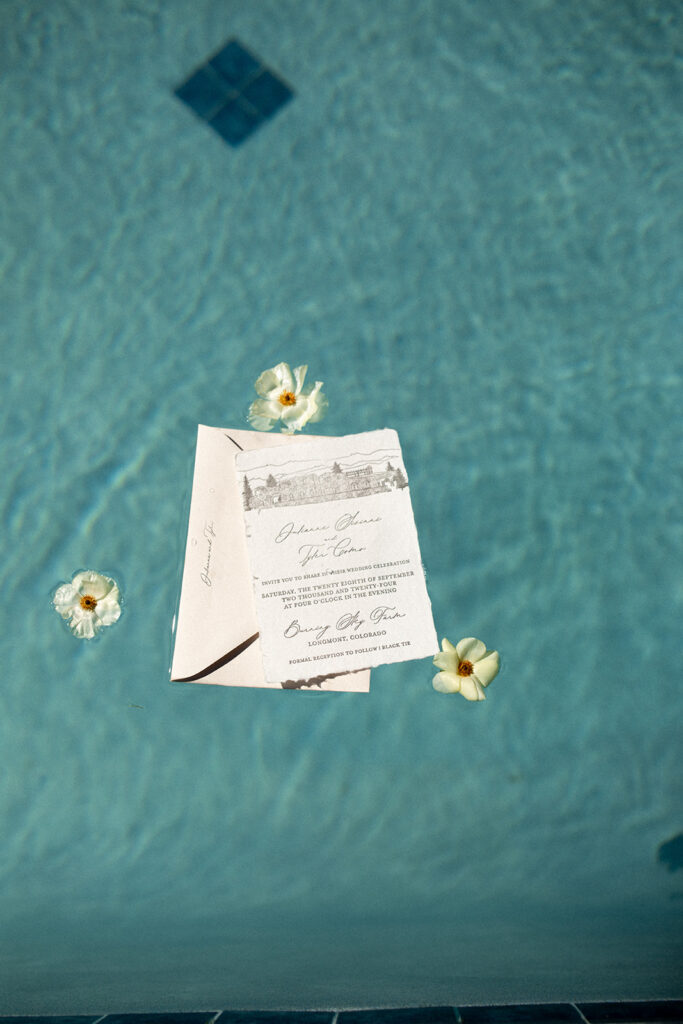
89,602
466,668
284,399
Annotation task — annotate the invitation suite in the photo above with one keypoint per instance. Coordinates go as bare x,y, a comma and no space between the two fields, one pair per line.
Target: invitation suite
217,634
334,556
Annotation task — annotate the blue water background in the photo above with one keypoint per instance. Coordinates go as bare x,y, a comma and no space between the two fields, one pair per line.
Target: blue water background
468,224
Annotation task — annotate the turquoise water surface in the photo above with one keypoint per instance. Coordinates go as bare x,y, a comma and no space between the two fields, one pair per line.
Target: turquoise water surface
467,222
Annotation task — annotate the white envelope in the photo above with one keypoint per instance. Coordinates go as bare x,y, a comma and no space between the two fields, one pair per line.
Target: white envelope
216,632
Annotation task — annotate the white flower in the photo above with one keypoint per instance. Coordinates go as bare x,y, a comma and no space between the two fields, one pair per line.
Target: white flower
466,668
89,602
284,399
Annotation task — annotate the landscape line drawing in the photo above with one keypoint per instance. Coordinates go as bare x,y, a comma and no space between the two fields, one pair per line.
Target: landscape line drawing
329,484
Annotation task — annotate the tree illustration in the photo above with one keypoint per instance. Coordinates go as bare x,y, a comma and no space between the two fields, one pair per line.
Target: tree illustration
399,479
336,468
271,481
247,494
390,468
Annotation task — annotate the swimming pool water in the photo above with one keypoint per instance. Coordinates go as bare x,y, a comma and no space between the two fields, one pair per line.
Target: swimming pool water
467,222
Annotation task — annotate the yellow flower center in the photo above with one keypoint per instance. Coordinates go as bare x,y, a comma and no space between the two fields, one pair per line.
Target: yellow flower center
465,668
287,398
88,603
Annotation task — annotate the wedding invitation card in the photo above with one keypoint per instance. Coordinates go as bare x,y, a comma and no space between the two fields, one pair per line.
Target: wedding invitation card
334,556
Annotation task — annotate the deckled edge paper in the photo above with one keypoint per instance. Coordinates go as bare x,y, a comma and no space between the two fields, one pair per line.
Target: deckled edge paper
216,636
334,555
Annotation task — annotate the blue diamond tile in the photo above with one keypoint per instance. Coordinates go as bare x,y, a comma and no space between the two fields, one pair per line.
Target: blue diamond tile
267,93
203,92
234,64
234,92
236,121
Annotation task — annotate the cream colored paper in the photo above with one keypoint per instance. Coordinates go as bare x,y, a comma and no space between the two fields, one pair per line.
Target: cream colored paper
216,639
334,555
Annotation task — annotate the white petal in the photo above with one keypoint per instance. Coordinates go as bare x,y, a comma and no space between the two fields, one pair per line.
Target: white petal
259,423
83,626
470,649
447,661
269,408
446,682
299,377
108,610
295,417
64,599
319,402
447,646
486,668
471,689
272,382
263,415
310,407
93,583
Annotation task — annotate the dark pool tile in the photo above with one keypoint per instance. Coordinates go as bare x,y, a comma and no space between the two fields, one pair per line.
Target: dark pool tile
160,1018
236,121
203,92
670,1010
520,1013
234,64
234,92
276,1017
267,93
671,853
416,1015
51,1020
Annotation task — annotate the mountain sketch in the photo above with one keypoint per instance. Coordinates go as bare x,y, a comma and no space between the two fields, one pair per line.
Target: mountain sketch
330,484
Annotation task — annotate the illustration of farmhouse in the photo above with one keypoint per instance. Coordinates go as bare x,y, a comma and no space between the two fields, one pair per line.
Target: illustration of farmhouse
328,485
